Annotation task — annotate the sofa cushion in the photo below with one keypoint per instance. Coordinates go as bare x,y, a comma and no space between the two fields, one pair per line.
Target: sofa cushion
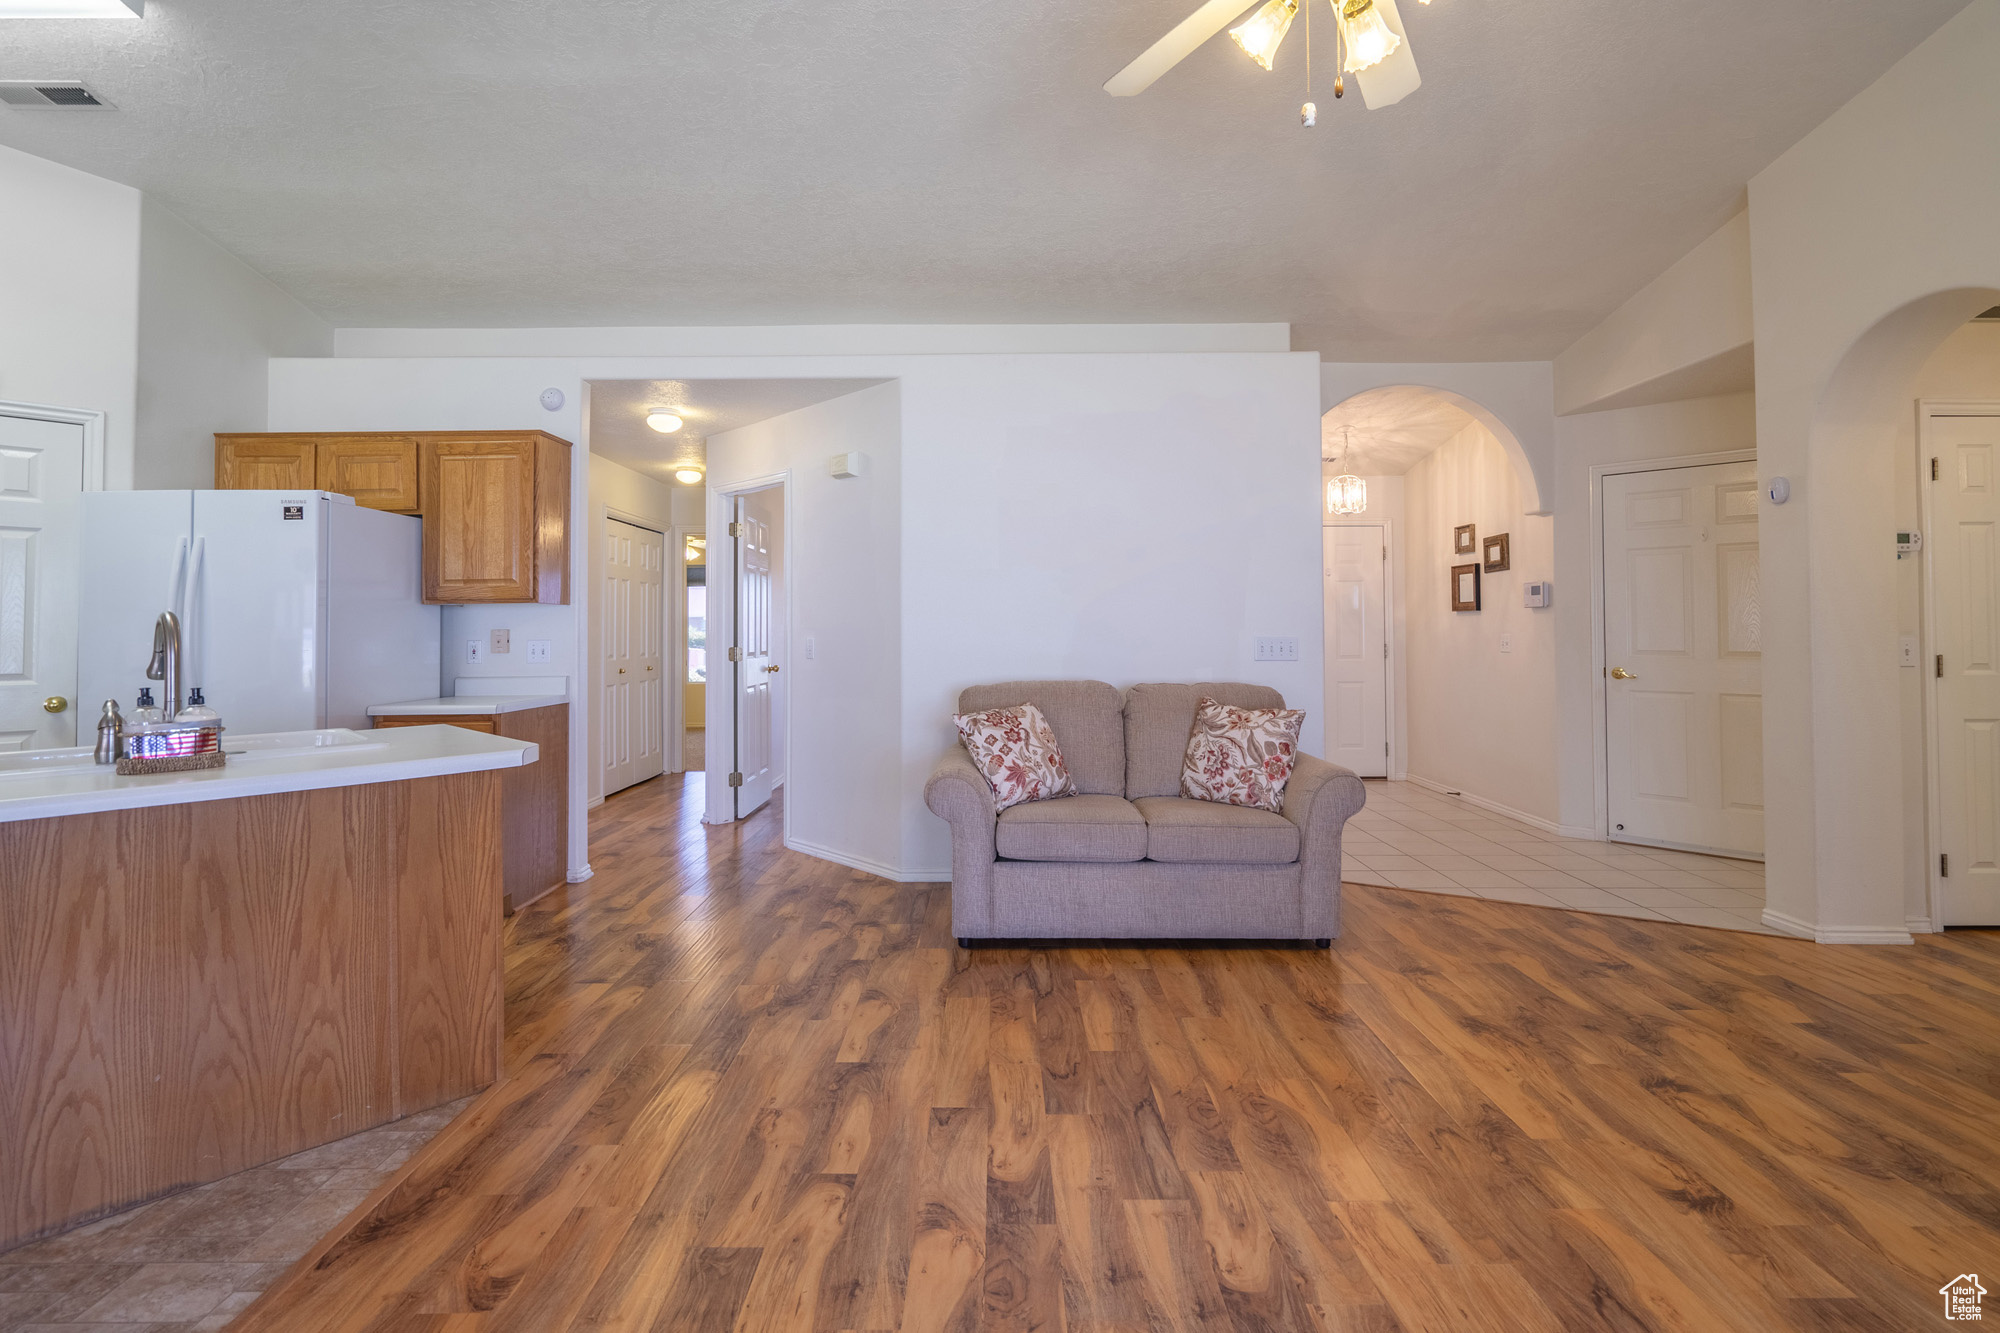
1087,717
1017,752
1072,828
1241,756
1185,832
1158,719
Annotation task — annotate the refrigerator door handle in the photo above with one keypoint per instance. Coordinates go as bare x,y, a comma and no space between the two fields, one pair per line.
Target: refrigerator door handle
176,577
192,628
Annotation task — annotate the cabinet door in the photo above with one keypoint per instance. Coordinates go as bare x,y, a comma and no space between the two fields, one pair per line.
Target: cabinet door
379,471
479,517
265,463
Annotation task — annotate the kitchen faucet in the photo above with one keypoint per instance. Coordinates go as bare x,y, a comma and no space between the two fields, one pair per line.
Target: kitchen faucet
166,664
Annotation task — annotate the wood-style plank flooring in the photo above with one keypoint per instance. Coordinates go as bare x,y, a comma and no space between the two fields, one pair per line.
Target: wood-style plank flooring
751,1090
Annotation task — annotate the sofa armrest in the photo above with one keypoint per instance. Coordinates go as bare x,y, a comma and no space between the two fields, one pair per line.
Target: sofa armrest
958,793
1320,798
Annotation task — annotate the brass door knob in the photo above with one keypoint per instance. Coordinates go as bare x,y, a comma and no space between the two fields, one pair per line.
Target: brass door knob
772,670
1620,673
621,671
55,703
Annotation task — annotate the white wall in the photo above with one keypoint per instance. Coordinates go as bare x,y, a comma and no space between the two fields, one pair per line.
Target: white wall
1685,334
1515,400
208,326
1481,721
69,296
1872,240
1627,435
844,798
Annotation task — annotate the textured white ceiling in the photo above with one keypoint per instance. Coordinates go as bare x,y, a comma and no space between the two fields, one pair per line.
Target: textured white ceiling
1390,428
614,162
618,409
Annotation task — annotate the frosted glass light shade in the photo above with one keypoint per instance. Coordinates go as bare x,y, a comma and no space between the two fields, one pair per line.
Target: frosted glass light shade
1369,40
1346,495
72,9
1260,34
663,421
687,476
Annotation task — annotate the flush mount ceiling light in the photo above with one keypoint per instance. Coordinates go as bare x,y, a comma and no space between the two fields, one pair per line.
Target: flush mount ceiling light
688,476
1346,493
1369,43
72,9
663,421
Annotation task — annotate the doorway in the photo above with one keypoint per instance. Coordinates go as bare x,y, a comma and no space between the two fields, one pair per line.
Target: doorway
757,648
1681,668
1357,646
48,458
694,656
632,620
1959,451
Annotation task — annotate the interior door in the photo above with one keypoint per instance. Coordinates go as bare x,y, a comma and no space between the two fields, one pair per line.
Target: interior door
1684,708
634,589
751,774
41,478
1965,571
1357,649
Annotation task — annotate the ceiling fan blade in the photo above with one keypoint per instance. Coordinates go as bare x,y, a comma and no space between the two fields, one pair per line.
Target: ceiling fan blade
1175,47
1395,77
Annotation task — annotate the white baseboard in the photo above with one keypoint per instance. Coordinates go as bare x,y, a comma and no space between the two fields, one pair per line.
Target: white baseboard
1532,821
1806,930
1919,925
578,874
873,867
594,802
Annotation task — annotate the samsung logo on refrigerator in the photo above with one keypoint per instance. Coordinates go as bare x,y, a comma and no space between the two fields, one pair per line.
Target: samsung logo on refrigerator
295,511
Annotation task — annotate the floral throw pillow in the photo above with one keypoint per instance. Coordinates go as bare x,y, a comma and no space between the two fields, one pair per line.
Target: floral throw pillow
1241,756
1016,749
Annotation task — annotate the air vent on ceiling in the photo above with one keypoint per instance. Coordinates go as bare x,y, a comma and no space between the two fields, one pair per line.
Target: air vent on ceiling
1992,316
51,94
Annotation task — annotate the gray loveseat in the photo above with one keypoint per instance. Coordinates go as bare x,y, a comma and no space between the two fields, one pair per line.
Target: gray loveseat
1127,857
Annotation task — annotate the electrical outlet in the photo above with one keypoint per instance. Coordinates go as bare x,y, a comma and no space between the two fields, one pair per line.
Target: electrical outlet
812,648
1506,643
475,650
538,650
1277,650
499,641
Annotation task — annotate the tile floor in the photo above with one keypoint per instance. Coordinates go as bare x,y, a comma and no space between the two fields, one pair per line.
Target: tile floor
190,1262
1410,837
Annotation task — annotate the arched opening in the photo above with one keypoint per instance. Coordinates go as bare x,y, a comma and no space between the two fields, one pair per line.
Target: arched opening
1880,839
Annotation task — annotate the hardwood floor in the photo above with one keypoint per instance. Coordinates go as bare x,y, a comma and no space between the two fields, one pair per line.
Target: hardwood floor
751,1090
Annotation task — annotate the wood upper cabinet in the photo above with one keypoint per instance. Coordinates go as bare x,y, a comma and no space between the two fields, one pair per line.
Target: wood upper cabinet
379,471
496,516
266,463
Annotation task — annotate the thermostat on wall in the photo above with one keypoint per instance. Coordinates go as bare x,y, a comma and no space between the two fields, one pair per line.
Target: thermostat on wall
1908,543
850,464
1535,594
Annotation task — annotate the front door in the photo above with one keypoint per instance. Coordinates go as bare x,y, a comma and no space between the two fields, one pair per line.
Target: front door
41,478
633,731
1684,707
1357,649
1965,567
753,665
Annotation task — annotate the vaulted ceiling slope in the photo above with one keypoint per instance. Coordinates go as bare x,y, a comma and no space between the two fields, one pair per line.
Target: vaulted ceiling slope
520,162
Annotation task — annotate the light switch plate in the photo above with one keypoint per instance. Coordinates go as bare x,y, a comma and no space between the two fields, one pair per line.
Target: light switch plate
475,650
1506,643
1277,649
812,648
1906,648
538,650
499,641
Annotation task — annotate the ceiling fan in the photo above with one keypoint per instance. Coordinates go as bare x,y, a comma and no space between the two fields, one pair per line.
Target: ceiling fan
1377,50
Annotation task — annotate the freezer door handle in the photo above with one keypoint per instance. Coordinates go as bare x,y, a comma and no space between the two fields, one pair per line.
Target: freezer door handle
175,577
193,630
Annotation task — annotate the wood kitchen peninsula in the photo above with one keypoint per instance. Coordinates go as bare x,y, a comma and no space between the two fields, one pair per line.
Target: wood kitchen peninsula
205,971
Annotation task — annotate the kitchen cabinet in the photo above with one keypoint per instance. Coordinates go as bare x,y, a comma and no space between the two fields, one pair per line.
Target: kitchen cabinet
496,510
378,470
534,799
266,463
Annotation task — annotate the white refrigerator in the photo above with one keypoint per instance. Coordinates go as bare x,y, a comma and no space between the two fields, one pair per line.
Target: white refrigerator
298,608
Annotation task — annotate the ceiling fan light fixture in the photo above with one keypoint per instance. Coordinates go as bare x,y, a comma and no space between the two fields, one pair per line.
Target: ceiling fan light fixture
72,9
1370,41
664,421
1260,34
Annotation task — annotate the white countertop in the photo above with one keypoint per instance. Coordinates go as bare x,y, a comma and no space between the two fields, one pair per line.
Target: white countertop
483,696
39,784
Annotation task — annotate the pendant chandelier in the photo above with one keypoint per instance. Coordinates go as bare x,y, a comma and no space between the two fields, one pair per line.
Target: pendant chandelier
1346,493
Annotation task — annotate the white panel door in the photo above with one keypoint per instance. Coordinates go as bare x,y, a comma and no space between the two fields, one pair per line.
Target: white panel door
1357,649
1965,569
41,478
1684,720
634,591
752,771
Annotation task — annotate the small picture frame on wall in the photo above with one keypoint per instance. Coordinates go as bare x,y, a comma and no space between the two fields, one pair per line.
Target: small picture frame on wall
1464,541
1496,553
1465,587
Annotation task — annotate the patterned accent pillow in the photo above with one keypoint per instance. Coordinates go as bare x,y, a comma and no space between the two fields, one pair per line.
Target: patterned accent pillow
1241,756
1016,749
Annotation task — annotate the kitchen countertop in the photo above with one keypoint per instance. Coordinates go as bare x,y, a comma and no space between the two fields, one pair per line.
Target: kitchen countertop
460,705
40,784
